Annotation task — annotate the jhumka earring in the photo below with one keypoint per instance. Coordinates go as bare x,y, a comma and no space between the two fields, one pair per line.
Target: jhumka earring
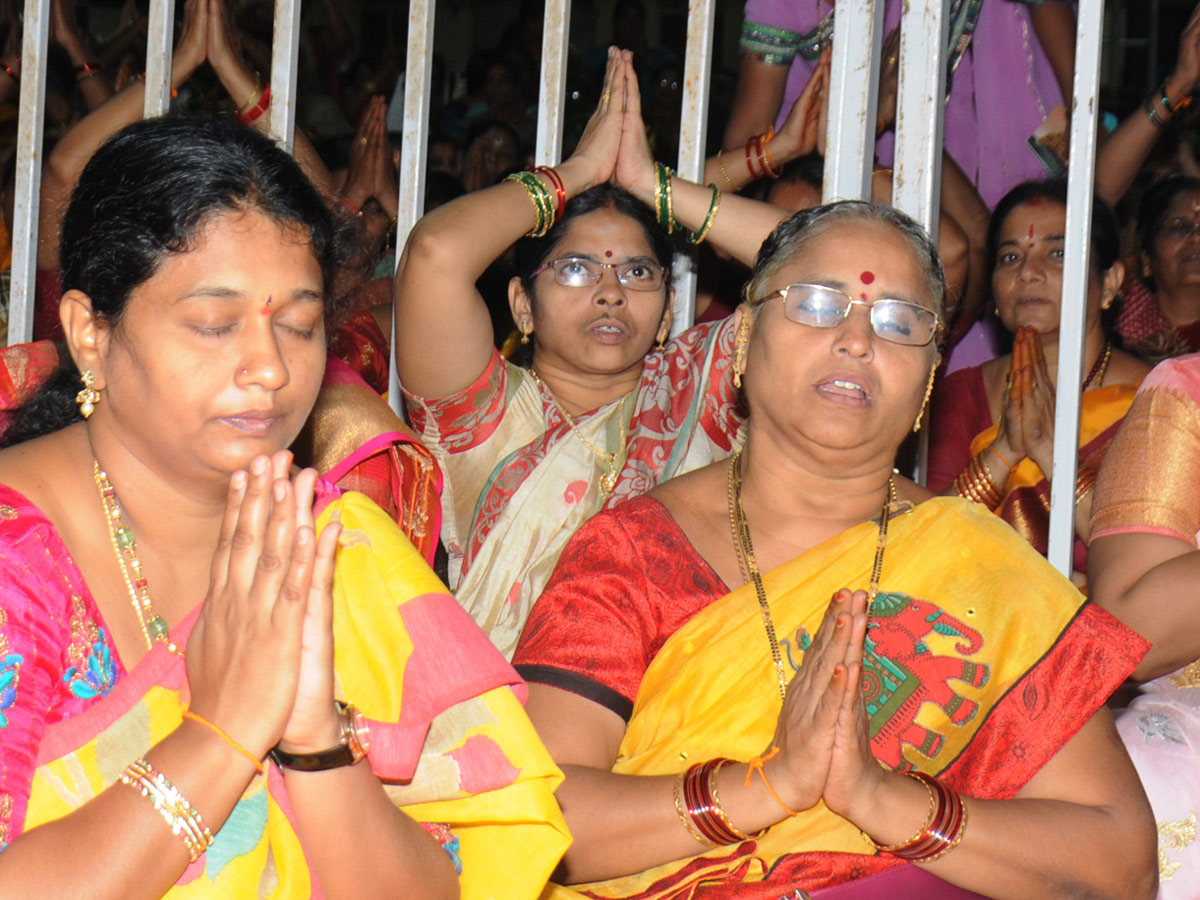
89,396
739,349
524,336
925,402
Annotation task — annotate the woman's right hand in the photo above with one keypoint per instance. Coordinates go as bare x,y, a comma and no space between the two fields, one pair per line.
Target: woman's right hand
243,656
596,153
807,724
797,136
1186,76
192,47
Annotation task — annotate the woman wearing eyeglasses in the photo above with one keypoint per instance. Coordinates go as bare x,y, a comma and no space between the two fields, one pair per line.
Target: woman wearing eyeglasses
726,730
992,436
609,407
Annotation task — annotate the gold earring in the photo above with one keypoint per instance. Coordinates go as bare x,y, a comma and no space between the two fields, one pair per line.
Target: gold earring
524,336
925,402
739,349
89,396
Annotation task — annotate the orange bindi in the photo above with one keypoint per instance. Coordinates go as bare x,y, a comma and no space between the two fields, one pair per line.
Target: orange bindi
867,277
266,310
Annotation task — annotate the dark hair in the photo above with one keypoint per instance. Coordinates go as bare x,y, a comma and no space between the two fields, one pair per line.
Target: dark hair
790,236
530,253
482,125
144,195
1106,230
1154,203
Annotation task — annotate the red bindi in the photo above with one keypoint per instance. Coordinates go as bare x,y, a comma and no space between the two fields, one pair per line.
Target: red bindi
1031,231
867,277
608,253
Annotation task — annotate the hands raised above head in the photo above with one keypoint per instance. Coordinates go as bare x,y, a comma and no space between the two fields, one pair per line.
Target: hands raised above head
260,658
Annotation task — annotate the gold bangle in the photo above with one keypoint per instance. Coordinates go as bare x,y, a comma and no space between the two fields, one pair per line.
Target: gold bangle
685,817
254,97
724,174
181,817
705,226
719,810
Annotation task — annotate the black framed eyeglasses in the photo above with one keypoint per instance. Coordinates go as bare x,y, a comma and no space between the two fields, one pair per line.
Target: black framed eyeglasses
892,320
577,271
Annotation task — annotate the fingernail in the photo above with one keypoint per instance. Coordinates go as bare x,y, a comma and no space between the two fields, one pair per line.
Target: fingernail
259,465
280,490
839,670
239,479
841,621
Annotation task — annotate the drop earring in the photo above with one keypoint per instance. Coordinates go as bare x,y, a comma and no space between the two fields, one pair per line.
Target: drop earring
925,402
89,396
739,349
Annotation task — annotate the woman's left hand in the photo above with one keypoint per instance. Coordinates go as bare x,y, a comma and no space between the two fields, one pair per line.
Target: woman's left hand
313,724
596,153
854,775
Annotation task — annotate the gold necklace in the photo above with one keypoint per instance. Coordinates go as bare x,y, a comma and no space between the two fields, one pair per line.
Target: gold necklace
608,480
748,565
154,626
1100,369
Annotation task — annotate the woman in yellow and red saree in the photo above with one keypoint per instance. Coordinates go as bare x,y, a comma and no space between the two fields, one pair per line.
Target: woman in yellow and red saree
206,691
992,426
935,730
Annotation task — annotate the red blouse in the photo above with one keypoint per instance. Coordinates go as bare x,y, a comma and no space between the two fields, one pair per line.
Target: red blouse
626,581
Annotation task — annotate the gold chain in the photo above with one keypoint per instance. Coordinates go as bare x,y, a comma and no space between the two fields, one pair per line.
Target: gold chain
1101,369
748,564
154,626
608,480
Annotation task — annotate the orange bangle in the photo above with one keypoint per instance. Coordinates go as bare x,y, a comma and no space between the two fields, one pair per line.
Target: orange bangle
219,732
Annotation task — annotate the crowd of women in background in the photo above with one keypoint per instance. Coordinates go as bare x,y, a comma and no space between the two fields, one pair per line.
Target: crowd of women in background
749,658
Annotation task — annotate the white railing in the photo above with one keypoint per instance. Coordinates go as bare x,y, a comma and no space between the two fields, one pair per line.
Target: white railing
848,167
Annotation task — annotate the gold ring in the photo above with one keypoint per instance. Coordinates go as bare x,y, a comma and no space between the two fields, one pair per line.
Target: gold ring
363,141
891,60
605,97
1034,386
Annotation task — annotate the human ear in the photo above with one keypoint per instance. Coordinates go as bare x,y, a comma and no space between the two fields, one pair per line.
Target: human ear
1113,279
668,316
520,303
87,334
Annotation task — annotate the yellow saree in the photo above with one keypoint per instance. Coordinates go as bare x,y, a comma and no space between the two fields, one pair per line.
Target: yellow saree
448,735
1026,504
982,661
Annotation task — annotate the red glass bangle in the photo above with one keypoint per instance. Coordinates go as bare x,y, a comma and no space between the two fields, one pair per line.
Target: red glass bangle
750,154
559,188
254,113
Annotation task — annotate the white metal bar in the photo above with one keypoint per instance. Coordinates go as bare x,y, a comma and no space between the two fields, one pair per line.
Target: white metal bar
414,146
552,96
29,170
285,57
853,96
160,29
1084,114
920,117
692,130
921,111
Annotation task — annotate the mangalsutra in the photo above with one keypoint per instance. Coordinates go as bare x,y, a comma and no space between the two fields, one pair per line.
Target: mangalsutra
608,481
154,626
748,564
